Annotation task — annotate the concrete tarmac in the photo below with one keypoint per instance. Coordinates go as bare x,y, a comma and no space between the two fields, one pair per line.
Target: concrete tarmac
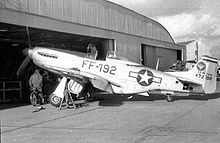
116,120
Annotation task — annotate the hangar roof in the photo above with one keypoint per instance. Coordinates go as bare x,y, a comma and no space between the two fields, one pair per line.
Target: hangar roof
100,14
186,42
17,36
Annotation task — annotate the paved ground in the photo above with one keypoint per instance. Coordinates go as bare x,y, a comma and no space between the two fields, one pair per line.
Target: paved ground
116,120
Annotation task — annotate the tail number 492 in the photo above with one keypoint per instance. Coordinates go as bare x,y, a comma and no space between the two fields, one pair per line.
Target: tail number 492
202,76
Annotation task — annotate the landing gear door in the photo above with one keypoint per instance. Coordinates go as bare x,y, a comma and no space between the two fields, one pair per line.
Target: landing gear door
60,88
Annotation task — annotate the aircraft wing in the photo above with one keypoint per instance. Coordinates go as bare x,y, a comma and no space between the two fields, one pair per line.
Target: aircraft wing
76,73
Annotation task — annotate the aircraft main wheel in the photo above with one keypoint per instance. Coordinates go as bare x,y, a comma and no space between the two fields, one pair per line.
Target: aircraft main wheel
55,100
169,98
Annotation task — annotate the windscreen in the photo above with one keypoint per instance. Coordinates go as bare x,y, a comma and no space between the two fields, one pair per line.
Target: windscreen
120,56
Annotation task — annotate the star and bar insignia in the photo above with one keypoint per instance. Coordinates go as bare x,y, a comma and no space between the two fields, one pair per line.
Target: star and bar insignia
145,77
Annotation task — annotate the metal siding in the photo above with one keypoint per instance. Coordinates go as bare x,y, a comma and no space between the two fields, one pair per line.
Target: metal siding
20,5
155,32
132,26
125,24
9,4
143,30
67,10
113,19
36,21
46,8
149,30
126,43
77,14
107,18
120,21
135,26
140,30
162,36
101,14
86,10
119,47
94,14
57,9
129,24
34,6
2,4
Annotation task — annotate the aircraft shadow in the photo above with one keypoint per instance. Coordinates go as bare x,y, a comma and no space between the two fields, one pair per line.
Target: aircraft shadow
117,100
198,97
110,100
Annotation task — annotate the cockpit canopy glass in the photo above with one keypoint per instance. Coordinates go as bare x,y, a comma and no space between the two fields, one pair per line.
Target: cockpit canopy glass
120,56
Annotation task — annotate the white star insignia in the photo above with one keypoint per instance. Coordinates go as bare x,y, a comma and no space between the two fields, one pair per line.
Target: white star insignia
145,77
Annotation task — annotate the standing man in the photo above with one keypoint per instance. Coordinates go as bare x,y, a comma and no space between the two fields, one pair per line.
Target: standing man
36,83
47,88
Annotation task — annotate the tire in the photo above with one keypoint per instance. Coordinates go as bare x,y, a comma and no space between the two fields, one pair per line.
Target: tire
169,98
55,100
33,99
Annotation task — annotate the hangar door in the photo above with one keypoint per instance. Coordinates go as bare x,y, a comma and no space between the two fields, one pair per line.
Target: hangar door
167,57
148,56
151,54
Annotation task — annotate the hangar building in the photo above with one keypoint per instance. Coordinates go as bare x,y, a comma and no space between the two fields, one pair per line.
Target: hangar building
73,24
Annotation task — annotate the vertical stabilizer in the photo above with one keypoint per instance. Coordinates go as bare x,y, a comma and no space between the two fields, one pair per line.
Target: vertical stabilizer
205,73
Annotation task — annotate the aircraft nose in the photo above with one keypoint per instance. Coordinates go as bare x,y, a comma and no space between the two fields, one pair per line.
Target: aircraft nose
27,52
30,52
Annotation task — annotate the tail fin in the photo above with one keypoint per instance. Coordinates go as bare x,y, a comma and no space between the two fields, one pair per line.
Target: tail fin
205,73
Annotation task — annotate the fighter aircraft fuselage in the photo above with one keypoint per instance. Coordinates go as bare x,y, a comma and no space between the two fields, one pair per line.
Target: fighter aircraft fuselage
124,77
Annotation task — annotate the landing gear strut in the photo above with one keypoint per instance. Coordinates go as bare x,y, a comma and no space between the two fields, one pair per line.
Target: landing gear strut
170,98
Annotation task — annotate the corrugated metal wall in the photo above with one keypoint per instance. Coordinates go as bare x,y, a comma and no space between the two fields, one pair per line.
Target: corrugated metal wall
97,13
97,18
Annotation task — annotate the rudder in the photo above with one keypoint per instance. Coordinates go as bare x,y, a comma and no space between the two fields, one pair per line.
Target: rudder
205,73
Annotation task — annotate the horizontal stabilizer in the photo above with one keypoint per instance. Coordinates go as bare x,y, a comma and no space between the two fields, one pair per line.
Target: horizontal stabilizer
144,94
188,81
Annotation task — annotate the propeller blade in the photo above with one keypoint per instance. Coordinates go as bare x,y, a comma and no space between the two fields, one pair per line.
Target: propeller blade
23,65
25,52
28,36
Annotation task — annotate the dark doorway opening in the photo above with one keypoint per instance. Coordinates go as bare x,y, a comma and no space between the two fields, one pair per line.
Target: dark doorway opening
148,55
179,55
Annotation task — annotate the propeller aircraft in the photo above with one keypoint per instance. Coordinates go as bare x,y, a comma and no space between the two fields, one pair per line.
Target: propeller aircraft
118,75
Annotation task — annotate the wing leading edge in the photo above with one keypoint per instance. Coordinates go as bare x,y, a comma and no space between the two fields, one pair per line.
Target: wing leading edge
76,73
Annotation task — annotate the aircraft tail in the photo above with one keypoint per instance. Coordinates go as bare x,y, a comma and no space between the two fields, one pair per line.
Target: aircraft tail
205,73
